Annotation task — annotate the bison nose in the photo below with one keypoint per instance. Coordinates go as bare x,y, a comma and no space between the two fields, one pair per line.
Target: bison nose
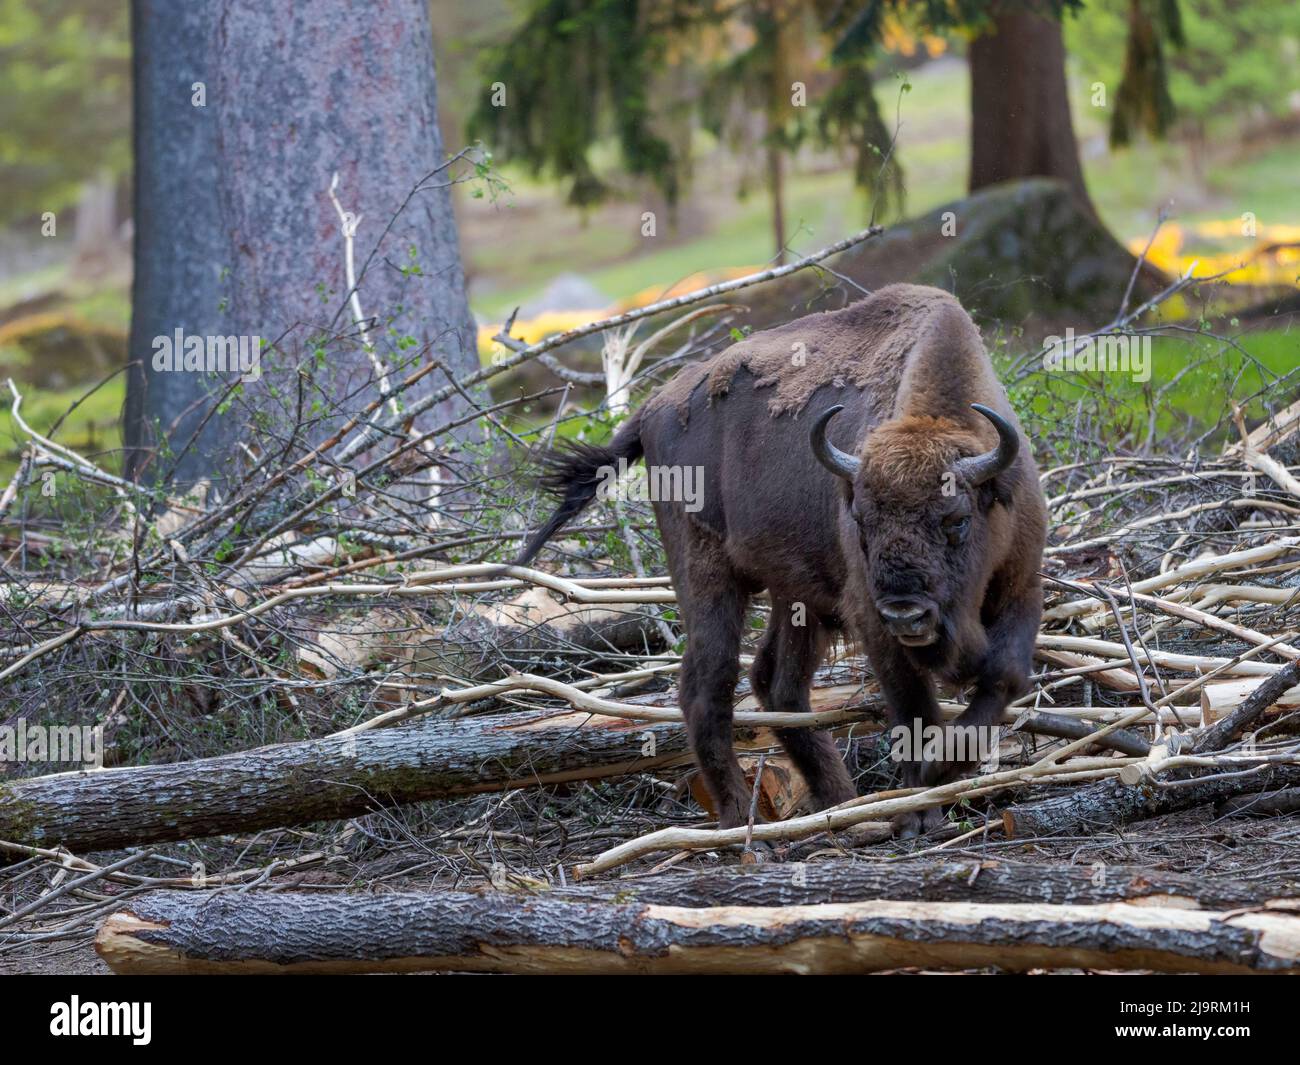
911,621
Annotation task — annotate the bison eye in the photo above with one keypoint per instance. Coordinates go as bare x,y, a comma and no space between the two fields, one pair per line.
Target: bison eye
957,530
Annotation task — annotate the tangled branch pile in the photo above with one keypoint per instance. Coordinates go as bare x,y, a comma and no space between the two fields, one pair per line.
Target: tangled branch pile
374,639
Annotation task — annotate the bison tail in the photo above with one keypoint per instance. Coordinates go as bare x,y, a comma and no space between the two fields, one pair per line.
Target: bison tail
574,472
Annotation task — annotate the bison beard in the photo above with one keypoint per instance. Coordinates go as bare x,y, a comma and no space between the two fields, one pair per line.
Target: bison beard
907,515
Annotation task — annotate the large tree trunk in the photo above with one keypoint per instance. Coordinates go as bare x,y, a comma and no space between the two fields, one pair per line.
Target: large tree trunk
178,228
1020,108
235,229
195,932
317,780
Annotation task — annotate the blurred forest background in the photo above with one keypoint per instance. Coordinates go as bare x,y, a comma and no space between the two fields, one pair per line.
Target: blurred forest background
686,112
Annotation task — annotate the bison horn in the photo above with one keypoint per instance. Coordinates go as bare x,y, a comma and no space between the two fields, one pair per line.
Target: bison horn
828,454
980,468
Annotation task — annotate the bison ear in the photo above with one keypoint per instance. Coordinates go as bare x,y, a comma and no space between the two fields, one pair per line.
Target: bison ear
997,490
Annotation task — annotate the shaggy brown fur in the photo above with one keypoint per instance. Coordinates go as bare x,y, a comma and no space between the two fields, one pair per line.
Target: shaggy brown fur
906,543
864,345
913,453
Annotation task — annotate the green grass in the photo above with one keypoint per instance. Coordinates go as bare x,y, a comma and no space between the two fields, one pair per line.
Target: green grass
1218,372
19,287
104,306
90,428
1193,380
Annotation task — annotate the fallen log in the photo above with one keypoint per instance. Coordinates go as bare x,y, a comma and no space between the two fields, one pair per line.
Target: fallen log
1045,724
1268,804
262,932
355,773
336,777
1111,803
962,880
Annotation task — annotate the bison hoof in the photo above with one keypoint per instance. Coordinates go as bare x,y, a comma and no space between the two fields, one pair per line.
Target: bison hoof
868,833
910,825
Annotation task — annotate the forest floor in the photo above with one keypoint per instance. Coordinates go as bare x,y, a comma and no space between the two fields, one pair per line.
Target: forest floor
517,845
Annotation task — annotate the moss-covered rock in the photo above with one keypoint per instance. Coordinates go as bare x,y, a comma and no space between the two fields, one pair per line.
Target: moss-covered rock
1021,253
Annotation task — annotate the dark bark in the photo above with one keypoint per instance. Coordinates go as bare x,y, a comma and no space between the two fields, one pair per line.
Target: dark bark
316,780
234,226
1111,803
197,932
965,880
177,219
1020,107
1270,804
1070,728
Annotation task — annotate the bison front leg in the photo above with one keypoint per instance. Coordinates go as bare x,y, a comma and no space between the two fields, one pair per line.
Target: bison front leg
913,712
1002,676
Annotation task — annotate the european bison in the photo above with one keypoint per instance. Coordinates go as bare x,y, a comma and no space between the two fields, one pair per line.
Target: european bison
914,523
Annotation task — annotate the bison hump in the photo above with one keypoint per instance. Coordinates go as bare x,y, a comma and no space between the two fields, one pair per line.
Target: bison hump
866,345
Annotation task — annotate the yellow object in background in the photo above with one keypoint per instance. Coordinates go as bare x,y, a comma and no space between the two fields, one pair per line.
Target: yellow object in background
1245,252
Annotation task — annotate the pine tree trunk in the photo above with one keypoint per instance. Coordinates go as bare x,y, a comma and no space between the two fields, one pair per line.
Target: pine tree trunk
1020,108
925,880
243,113
1108,804
94,247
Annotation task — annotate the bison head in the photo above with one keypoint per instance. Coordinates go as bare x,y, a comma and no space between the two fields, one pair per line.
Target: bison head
920,499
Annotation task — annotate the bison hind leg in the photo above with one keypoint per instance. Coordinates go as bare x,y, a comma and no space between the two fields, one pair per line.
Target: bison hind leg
781,676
